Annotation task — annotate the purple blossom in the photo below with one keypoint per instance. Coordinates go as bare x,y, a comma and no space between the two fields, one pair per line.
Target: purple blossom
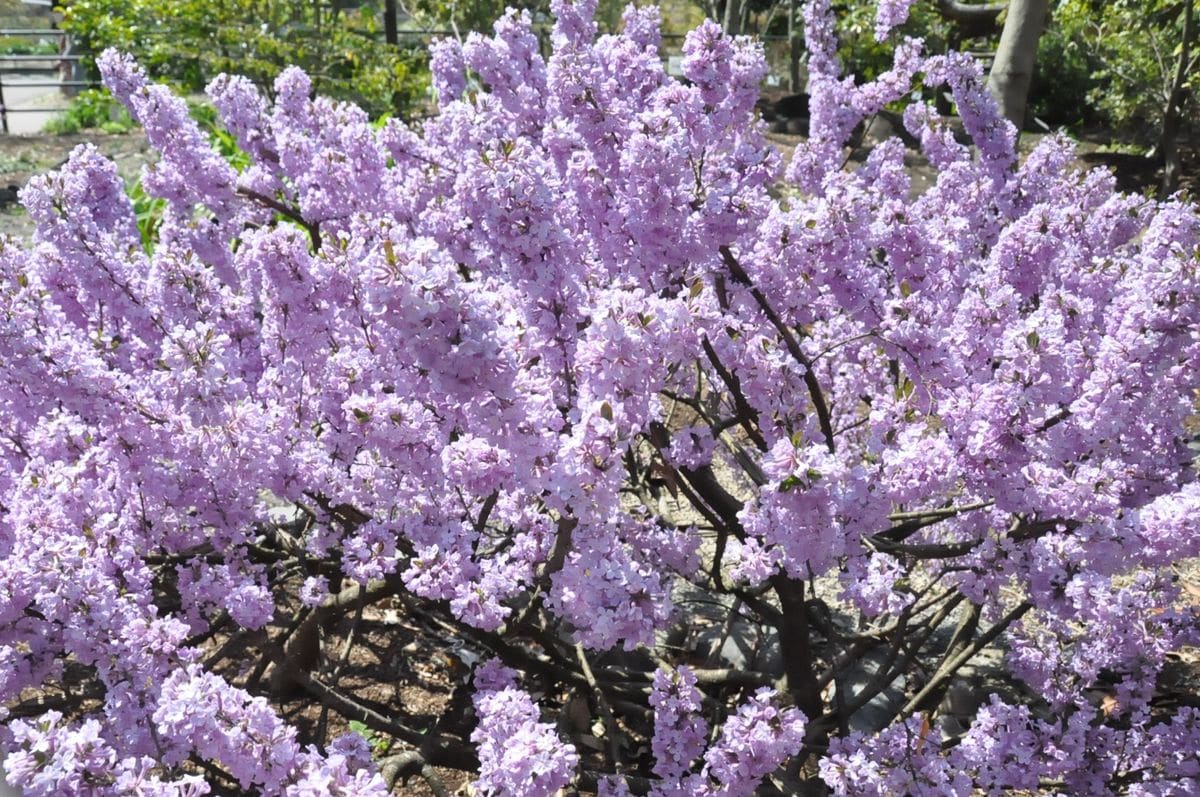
680,732
753,742
448,68
890,14
519,756
530,356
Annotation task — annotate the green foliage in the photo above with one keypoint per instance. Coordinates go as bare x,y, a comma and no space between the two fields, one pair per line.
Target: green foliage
866,58
1109,62
148,210
23,45
465,15
1063,77
20,162
679,16
189,42
380,745
92,109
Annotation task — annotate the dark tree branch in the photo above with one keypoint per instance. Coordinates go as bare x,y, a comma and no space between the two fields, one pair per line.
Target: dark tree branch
286,211
747,416
407,764
796,645
793,346
948,669
972,20
612,730
439,750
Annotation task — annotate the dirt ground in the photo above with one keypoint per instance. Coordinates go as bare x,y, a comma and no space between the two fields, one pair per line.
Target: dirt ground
22,157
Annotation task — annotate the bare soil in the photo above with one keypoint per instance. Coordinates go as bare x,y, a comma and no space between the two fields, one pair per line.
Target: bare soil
22,157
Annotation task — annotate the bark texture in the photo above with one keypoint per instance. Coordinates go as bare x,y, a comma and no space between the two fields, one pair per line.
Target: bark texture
1012,71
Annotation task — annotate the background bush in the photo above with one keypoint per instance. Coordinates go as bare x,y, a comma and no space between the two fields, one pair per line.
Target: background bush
93,109
191,41
1109,63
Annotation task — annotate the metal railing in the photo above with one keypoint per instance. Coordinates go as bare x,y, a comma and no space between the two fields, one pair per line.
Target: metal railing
64,62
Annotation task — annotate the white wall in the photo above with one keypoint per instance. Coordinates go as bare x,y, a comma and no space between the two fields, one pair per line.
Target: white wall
5,789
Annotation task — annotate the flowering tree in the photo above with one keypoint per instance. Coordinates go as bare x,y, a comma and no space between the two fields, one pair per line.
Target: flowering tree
530,367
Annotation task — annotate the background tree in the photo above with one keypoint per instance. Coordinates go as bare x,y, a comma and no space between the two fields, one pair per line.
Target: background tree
972,20
191,41
1178,96
1012,68
1132,63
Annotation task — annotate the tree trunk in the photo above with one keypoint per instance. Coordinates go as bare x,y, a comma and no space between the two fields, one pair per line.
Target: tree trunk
1168,142
734,10
390,34
795,644
793,50
1012,71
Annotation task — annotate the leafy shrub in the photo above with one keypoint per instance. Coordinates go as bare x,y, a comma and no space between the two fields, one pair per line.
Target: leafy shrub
23,45
1110,63
91,109
191,41
1065,74
541,374
866,57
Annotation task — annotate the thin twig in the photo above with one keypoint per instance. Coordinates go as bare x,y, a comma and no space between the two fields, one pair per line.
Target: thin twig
611,729
351,638
948,669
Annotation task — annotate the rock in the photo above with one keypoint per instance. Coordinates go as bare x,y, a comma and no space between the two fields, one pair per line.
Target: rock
793,106
798,127
884,125
957,710
877,714
878,130
746,646
286,514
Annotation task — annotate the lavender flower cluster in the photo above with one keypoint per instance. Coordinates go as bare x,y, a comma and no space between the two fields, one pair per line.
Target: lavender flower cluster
466,350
